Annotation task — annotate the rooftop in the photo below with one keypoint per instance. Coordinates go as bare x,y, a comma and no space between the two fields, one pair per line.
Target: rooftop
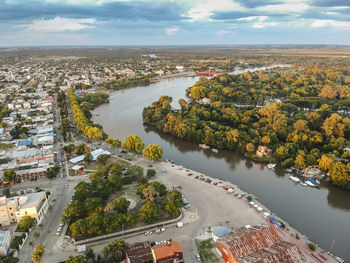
170,249
140,253
3,236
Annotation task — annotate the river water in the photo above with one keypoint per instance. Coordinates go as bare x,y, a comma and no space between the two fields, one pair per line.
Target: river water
321,214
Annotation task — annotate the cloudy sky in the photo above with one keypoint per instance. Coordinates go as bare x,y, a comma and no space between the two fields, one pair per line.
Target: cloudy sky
173,22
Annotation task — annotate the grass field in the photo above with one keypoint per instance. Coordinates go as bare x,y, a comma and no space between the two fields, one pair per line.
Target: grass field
205,251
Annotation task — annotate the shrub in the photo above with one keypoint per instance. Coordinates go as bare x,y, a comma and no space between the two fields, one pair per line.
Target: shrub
249,197
312,246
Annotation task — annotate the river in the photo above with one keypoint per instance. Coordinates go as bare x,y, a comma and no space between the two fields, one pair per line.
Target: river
321,214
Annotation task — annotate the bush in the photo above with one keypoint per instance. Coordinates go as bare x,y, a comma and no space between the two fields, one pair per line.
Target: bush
151,173
17,241
25,224
249,197
312,246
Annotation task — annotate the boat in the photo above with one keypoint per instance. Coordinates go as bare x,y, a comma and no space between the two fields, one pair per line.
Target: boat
303,183
271,166
215,150
294,178
289,170
309,183
314,182
204,146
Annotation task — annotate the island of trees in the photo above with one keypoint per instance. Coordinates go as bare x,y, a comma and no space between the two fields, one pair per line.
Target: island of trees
298,113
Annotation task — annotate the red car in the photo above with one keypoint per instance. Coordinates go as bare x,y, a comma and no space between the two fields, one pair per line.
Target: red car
216,183
189,174
226,188
150,165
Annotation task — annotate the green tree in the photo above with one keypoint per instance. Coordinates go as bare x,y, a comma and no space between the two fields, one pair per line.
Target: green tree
77,259
103,158
88,158
8,258
115,251
9,176
25,223
151,173
149,212
133,143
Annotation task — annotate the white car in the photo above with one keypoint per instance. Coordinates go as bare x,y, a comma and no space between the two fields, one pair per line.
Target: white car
58,232
148,233
66,185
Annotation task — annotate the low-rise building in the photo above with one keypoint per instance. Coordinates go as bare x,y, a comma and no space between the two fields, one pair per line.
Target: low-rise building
170,251
13,209
258,244
139,253
5,239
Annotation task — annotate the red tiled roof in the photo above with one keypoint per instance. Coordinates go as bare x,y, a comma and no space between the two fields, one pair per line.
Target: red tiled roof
281,252
251,240
167,250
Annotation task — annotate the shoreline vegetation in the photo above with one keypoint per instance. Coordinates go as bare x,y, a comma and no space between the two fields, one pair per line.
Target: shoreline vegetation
298,116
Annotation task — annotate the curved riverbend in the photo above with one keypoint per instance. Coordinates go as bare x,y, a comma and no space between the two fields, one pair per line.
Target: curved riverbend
321,214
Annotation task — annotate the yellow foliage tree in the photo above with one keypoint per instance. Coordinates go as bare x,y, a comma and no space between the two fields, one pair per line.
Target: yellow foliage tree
325,162
250,147
153,152
133,143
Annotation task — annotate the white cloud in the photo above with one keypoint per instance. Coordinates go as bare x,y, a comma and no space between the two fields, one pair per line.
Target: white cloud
203,9
222,32
263,24
252,18
290,6
318,23
170,31
60,24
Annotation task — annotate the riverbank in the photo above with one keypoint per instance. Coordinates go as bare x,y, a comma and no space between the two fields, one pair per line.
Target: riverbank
287,232
322,214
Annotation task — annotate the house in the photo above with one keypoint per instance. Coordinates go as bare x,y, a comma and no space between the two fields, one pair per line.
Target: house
5,239
258,244
139,253
263,151
170,251
13,209
77,169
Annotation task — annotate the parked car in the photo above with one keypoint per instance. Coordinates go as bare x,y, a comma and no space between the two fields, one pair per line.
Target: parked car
189,174
150,165
198,257
196,177
187,205
148,233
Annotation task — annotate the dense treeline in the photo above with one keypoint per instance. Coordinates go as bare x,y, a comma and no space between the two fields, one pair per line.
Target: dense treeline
89,129
304,120
97,210
65,123
128,82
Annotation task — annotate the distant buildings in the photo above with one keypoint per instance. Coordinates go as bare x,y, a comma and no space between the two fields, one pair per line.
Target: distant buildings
258,244
13,209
